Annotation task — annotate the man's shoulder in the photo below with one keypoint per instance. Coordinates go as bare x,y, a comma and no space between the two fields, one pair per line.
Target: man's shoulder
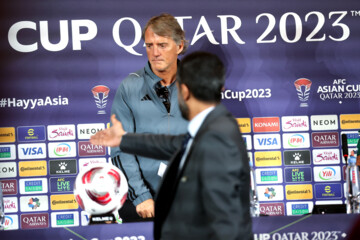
134,78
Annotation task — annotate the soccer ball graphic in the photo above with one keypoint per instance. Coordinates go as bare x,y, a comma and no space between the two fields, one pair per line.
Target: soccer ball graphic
100,189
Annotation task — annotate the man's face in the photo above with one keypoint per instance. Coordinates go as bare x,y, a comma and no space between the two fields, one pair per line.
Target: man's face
162,52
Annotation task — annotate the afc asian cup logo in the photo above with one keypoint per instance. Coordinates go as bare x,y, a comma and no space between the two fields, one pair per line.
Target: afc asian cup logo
302,86
101,93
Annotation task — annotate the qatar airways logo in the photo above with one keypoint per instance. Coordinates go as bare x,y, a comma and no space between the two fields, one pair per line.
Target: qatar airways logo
295,123
326,139
303,86
61,132
101,94
326,156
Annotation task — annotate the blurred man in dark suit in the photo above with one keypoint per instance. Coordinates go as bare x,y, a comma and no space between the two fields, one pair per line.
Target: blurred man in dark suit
205,190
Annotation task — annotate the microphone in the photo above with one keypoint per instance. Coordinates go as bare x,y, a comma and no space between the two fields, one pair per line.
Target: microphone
344,145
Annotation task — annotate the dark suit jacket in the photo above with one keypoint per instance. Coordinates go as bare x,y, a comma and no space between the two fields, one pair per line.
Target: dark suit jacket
209,197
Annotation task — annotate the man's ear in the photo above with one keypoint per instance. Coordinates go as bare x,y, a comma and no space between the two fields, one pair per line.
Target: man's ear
180,47
184,91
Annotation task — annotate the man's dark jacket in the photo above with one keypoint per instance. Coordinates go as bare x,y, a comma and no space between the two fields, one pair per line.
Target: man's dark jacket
209,197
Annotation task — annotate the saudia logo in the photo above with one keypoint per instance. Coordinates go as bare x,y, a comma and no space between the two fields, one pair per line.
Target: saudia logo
62,149
101,93
302,86
296,140
327,173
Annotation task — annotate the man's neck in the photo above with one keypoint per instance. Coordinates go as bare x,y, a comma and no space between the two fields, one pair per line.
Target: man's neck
167,77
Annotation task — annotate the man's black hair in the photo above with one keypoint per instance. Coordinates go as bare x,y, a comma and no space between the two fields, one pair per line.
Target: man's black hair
204,74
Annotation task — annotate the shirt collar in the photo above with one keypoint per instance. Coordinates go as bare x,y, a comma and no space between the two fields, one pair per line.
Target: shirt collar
197,121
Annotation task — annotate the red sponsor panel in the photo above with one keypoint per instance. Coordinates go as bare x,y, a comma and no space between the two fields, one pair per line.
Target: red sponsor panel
87,149
9,187
272,209
35,220
266,124
325,139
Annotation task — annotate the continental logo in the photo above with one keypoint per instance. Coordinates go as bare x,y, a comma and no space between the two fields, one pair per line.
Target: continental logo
7,135
266,159
297,192
63,202
32,168
244,124
350,121
266,124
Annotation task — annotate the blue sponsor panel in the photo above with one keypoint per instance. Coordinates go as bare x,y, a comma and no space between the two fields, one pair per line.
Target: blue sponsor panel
328,191
31,133
62,184
294,175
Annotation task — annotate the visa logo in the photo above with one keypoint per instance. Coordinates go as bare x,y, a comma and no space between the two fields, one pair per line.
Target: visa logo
33,151
267,141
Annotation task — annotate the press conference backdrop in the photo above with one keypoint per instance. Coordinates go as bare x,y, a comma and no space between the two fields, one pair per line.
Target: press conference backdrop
292,82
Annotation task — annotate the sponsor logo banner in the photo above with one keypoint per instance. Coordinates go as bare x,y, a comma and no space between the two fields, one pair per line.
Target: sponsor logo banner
10,204
32,168
327,174
32,151
34,221
294,175
266,124
9,187
7,152
64,219
85,131
244,124
62,184
272,209
350,121
298,192
326,156
33,186
66,166
87,149
296,140
268,175
299,157
248,143
267,141
62,149
328,191
299,208
63,202
325,139
271,193
268,159
61,132
8,169
352,138
85,162
7,135
295,123
85,218
324,122
35,203
31,133
11,222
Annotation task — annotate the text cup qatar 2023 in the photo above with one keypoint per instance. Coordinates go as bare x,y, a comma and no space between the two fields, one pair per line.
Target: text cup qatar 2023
101,190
